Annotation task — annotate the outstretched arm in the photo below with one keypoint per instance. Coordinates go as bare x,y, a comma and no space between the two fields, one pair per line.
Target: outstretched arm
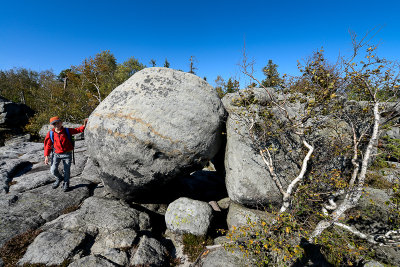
79,129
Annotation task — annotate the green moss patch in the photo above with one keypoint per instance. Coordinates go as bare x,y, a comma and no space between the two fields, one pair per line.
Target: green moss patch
194,245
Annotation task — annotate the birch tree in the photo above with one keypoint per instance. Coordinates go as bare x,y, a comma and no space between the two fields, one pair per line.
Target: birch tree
324,192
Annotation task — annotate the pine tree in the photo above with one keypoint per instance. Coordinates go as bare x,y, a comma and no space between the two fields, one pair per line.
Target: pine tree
272,75
166,64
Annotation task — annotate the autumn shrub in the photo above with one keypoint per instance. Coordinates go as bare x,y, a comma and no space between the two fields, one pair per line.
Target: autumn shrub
269,244
343,249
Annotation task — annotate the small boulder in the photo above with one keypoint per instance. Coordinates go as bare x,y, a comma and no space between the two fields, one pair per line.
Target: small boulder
91,172
150,252
185,215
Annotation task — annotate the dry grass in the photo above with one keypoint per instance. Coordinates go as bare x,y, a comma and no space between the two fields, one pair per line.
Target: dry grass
15,248
71,209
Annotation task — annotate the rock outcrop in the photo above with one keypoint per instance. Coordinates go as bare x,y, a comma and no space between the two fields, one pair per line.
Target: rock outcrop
13,115
159,124
248,181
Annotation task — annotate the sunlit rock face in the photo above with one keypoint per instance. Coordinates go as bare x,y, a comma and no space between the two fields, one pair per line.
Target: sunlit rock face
159,124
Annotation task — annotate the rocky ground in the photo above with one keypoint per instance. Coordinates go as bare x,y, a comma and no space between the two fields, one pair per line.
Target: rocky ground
139,195
87,226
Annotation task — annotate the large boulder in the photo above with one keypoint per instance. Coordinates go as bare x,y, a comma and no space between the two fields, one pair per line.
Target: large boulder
159,124
248,181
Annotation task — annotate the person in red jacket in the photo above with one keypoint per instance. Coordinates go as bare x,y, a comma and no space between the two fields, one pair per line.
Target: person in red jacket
62,150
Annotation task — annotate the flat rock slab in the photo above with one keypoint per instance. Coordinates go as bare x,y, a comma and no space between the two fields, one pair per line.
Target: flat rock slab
38,176
159,124
52,247
28,210
98,216
223,258
118,240
8,169
92,261
22,165
28,151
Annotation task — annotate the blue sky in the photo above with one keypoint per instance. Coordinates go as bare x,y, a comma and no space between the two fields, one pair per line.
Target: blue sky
42,35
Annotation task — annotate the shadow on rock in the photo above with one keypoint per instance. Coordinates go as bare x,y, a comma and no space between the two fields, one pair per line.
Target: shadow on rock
200,185
312,256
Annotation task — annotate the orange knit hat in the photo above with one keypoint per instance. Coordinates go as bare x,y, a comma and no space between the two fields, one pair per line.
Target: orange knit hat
54,119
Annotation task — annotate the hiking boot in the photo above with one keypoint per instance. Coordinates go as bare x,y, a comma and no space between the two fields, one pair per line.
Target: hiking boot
56,184
66,187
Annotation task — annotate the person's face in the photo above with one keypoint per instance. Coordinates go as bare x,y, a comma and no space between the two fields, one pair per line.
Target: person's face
57,124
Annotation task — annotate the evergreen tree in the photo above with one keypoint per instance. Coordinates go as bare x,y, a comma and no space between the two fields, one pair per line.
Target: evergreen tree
232,86
272,75
166,64
192,68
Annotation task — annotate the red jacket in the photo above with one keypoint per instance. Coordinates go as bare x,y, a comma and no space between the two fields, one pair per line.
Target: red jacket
61,142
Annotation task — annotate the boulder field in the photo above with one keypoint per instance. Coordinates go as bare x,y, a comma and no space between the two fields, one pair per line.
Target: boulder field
143,179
